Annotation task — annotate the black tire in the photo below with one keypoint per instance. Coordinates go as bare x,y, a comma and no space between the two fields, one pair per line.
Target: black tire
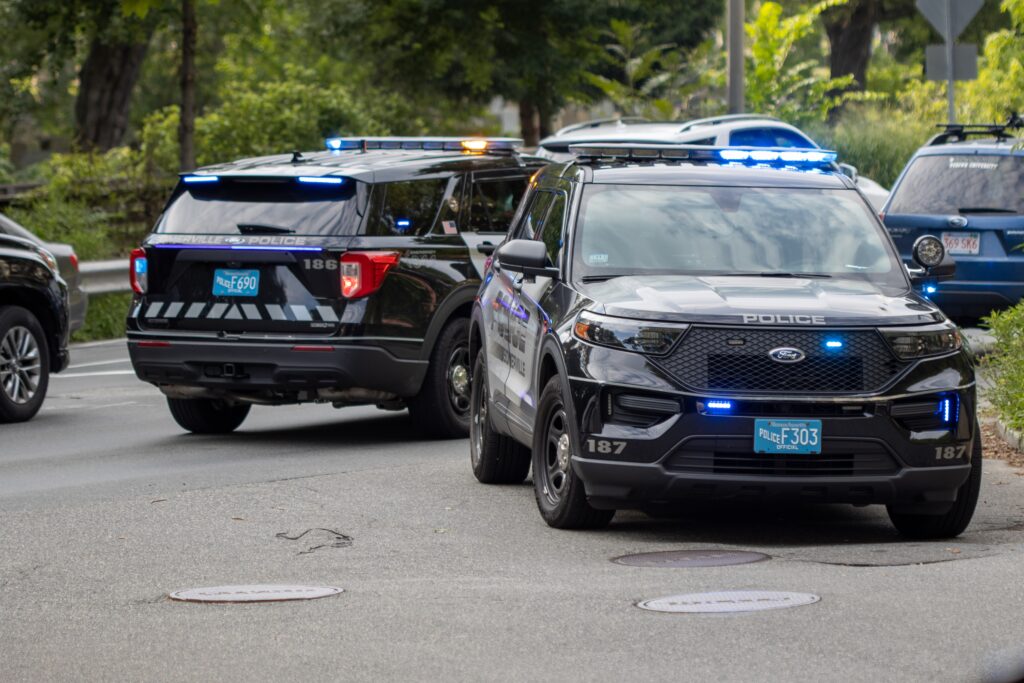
441,409
208,415
561,498
24,364
953,522
495,458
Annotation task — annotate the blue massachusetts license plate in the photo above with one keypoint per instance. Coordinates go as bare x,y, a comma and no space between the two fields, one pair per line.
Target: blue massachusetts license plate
787,436
230,282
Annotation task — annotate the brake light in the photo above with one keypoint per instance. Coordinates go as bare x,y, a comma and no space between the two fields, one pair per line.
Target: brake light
74,261
139,271
363,272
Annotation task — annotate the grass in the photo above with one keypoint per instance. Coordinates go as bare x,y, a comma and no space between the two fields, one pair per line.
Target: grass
105,317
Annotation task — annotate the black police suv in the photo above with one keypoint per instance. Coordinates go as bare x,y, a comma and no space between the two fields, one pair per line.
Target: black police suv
669,322
342,276
33,326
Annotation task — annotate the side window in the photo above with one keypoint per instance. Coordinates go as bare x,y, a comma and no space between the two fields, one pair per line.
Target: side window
532,221
768,137
551,232
493,203
407,207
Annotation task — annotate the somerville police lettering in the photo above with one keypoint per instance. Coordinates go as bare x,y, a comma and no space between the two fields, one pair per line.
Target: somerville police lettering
261,240
775,319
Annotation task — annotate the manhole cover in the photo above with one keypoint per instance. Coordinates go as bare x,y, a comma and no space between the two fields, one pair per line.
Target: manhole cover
691,558
254,593
728,601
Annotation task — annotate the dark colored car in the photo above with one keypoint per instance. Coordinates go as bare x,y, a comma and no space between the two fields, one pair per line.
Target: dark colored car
67,265
33,326
672,323
967,187
343,276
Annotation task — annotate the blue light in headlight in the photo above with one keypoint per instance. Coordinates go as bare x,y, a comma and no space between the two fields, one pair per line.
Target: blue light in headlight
321,180
833,344
718,406
200,178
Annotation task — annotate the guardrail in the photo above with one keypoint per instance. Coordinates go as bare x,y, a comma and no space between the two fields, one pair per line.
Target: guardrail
105,277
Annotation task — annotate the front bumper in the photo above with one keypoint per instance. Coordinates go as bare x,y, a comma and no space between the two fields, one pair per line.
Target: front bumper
285,370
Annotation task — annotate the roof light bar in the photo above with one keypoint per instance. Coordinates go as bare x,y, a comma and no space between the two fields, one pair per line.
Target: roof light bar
190,179
780,157
470,145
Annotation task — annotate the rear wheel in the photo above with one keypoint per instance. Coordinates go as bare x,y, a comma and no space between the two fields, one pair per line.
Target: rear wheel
955,520
441,409
24,364
561,497
496,458
207,415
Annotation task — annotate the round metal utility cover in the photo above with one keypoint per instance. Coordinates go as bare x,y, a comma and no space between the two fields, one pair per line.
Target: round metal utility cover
691,558
257,593
728,601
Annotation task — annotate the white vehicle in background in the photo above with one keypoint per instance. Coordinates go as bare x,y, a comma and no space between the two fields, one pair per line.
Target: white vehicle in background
732,130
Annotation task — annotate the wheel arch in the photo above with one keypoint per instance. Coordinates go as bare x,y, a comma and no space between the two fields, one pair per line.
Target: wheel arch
38,305
459,304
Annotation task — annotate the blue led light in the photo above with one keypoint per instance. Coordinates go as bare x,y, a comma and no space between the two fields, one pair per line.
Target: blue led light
403,223
321,180
718,405
945,410
833,344
930,289
764,155
141,266
338,144
734,154
191,179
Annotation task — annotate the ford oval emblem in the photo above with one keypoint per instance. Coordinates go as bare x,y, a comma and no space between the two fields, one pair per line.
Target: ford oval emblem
787,354
957,221
234,240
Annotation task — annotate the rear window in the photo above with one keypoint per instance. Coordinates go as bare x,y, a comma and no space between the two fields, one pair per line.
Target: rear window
961,183
282,205
768,137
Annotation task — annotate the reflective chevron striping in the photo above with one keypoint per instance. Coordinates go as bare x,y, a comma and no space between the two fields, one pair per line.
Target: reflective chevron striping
230,311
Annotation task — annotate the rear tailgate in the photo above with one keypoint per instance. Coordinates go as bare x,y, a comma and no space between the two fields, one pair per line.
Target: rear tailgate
986,247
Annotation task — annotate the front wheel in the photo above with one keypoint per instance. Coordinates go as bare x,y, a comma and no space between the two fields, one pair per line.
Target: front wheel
561,498
496,458
24,364
208,415
441,409
954,521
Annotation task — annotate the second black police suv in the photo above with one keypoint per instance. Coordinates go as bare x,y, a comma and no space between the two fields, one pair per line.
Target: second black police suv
672,323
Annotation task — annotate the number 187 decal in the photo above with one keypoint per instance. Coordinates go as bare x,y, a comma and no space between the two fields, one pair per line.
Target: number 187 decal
605,447
950,452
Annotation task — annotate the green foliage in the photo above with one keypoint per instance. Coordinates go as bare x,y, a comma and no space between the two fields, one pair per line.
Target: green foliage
105,318
1006,363
798,93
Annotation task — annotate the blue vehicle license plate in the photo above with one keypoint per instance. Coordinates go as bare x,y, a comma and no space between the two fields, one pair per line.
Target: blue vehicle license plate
787,436
229,282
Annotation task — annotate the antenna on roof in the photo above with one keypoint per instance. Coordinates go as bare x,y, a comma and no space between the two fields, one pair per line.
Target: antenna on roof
297,157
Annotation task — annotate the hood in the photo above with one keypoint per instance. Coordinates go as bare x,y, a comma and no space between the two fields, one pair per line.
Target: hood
758,300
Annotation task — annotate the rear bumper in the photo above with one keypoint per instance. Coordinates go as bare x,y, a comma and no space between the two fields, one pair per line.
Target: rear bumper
285,370
958,297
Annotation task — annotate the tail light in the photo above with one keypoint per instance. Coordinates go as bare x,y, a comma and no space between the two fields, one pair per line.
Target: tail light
74,261
139,271
363,272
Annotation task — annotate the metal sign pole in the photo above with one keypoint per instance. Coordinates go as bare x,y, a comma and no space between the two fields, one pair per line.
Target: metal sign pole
950,96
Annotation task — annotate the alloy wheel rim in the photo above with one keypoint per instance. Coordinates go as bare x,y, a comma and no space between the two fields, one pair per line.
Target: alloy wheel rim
459,379
557,456
20,365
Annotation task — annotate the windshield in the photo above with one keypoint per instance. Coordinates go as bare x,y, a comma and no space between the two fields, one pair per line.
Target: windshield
687,230
264,206
961,184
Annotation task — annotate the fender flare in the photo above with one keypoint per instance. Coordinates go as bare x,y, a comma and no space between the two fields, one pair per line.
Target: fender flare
461,296
551,348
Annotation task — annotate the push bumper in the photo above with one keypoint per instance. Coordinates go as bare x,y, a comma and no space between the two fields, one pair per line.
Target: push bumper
271,367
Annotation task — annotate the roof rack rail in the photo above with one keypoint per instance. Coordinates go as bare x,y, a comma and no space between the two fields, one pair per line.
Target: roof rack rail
470,145
775,157
725,118
594,123
959,132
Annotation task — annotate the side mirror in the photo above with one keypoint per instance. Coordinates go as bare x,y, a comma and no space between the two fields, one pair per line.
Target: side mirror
850,171
485,248
930,253
529,257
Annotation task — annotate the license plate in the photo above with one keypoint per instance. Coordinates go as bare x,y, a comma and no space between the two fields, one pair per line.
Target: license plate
962,242
787,436
229,282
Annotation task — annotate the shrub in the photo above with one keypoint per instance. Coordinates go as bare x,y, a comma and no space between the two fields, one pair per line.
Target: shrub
105,318
1006,363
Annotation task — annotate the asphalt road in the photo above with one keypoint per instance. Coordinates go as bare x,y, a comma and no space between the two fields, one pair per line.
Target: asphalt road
106,506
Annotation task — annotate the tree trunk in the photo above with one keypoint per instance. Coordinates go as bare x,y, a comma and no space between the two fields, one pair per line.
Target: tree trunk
850,30
528,123
187,121
105,85
544,116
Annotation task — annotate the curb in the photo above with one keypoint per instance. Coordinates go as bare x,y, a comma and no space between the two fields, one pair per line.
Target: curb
981,341
1010,436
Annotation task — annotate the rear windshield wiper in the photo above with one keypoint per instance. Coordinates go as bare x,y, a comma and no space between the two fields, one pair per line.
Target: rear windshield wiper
263,229
984,209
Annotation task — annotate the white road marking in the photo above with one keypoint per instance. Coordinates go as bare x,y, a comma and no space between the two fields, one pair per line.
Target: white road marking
100,362
105,342
106,373
89,407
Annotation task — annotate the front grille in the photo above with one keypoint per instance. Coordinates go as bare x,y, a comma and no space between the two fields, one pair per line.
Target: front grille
734,359
735,456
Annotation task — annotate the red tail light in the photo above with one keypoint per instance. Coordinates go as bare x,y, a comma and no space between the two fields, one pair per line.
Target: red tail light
139,271
363,272
74,261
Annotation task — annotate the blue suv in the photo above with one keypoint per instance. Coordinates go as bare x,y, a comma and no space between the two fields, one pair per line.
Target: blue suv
967,187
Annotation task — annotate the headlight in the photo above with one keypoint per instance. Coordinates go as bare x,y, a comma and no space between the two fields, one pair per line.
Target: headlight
911,344
49,259
631,335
